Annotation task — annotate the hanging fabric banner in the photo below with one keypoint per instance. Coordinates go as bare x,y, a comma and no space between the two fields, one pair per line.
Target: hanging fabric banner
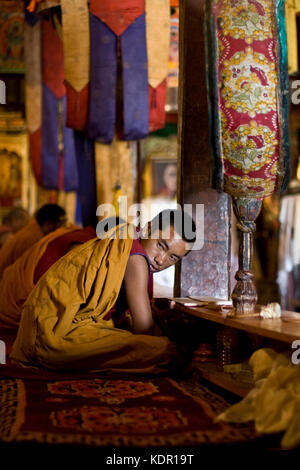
33,89
59,169
76,45
135,81
102,110
248,87
52,148
158,46
87,178
53,91
117,14
118,28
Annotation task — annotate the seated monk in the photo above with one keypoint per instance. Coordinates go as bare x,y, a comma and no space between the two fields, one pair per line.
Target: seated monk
68,321
19,278
47,219
14,221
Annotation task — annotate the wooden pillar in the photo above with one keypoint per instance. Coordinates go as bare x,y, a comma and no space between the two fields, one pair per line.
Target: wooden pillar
204,272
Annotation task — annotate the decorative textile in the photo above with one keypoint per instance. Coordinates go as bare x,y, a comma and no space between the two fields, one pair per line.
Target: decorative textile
119,14
173,64
103,87
157,101
113,165
119,412
158,46
52,149
76,40
33,91
33,96
40,5
274,403
87,178
249,95
135,81
18,279
102,113
118,29
19,243
58,149
158,39
11,37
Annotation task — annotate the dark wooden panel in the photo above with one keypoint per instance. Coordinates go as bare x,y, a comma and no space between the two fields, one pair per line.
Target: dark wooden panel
204,272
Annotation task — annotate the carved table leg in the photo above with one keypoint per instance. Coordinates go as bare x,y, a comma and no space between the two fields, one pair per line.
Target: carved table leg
244,296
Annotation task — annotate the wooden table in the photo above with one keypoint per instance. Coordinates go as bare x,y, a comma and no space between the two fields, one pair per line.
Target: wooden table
284,330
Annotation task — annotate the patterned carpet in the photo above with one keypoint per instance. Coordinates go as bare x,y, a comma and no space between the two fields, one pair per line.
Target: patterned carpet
104,410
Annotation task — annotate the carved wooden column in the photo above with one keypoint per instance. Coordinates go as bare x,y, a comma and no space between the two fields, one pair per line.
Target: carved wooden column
204,272
244,296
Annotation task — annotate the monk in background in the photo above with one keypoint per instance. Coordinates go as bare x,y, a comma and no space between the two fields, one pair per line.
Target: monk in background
14,221
47,219
19,278
72,319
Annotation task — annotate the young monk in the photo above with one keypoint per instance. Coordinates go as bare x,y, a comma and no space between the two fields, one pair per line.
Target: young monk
68,320
19,278
47,219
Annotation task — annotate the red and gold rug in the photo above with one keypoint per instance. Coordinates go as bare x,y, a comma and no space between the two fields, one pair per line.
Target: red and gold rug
109,411
103,410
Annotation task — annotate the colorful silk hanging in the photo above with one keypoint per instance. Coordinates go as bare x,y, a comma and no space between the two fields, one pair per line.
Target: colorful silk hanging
248,89
118,28
158,45
76,42
58,151
33,89
52,148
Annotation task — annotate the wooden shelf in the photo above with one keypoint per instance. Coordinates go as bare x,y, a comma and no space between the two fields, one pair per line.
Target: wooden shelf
286,328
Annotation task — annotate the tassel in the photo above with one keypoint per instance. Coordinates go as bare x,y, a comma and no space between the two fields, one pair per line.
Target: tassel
117,194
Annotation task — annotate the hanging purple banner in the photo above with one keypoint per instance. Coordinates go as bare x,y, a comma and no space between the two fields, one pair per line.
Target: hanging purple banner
103,81
135,81
50,151
70,167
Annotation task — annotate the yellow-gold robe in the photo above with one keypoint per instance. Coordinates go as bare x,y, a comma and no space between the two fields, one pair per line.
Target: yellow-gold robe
19,243
62,325
18,279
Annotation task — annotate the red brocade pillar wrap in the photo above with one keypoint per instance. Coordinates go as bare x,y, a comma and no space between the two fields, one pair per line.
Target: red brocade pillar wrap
248,89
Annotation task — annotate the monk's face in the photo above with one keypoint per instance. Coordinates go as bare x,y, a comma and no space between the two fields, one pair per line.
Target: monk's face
164,248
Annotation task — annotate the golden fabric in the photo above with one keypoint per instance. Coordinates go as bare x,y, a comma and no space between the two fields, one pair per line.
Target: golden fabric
62,324
19,243
274,403
113,163
76,39
33,84
18,279
158,39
